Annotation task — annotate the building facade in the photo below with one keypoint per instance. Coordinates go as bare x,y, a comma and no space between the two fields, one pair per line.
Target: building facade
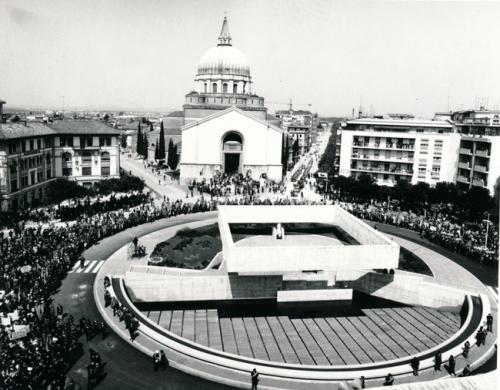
33,154
302,135
393,150
226,125
479,153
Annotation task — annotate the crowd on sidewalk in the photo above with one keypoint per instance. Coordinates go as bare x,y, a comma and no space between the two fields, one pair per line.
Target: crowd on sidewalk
476,240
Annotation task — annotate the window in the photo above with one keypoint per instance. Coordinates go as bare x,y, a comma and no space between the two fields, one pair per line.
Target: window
66,157
38,143
13,185
104,141
32,143
436,160
24,181
48,174
32,177
12,147
105,158
23,145
205,87
235,88
87,171
48,159
214,87
86,158
105,171
39,177
67,171
438,145
47,142
13,167
86,141
224,87
66,141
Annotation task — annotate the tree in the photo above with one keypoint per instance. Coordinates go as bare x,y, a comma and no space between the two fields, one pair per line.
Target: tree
156,150
170,156
151,126
123,141
175,158
140,140
161,145
295,149
145,146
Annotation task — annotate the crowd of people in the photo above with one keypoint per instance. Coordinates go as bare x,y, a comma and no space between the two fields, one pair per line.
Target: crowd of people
476,240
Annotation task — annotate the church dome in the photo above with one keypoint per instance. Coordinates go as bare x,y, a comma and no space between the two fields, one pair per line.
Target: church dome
223,59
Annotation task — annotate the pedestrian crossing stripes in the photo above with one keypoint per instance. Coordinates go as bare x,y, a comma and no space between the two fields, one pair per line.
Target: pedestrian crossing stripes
90,267
494,291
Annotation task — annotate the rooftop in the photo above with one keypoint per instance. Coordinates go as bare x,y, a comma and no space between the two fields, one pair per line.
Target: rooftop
20,130
82,127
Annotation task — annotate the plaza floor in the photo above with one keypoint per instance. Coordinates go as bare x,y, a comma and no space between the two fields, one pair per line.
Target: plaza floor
378,335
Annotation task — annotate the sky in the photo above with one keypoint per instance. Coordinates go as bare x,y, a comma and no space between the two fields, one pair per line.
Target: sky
327,56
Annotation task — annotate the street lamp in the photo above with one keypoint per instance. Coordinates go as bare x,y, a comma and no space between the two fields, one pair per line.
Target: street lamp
487,220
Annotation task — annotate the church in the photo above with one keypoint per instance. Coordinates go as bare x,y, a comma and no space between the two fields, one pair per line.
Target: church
226,126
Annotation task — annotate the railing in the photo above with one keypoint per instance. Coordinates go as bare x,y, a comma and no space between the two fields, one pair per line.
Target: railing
465,151
464,165
481,168
463,179
482,153
478,182
382,170
387,146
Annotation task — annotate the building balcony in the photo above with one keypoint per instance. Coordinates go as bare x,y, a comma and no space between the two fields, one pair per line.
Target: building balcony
464,165
478,183
465,151
382,170
384,147
481,168
482,153
463,179
382,158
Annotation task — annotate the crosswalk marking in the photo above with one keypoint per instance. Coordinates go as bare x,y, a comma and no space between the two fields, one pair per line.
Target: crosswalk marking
89,267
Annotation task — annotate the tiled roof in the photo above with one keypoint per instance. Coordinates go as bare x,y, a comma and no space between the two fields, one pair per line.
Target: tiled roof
20,130
82,127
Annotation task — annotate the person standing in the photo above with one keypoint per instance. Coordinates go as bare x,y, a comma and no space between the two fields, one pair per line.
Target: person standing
438,359
255,379
466,349
451,365
489,323
156,360
415,364
163,360
389,380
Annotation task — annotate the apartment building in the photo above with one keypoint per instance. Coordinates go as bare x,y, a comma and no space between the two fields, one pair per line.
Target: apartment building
391,150
302,134
479,153
32,154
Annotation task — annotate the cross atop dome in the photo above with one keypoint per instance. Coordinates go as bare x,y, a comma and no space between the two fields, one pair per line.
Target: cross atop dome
224,37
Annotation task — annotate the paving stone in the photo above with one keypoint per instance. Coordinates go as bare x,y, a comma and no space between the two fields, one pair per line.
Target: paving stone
201,327
176,323
387,335
297,343
255,339
165,318
416,328
284,343
214,334
336,342
154,316
188,325
311,344
241,337
268,339
227,333
327,348
362,340
386,353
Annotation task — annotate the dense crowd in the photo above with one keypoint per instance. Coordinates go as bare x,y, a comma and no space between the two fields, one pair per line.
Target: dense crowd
72,209
440,225
222,185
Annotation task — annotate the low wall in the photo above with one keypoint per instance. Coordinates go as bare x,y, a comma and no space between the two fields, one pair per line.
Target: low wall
407,289
144,287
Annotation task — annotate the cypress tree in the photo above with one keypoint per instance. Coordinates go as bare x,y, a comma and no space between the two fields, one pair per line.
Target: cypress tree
145,146
139,148
161,145
175,158
156,150
170,157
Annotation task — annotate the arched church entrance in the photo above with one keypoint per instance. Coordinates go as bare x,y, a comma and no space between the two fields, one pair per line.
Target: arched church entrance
232,149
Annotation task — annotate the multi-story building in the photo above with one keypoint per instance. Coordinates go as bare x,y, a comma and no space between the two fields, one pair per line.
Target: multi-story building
479,153
32,154
302,134
393,150
289,117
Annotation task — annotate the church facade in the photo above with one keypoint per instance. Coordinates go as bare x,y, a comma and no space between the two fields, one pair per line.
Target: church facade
226,126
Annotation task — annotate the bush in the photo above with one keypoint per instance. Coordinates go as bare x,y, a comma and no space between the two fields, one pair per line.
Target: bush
124,184
61,189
